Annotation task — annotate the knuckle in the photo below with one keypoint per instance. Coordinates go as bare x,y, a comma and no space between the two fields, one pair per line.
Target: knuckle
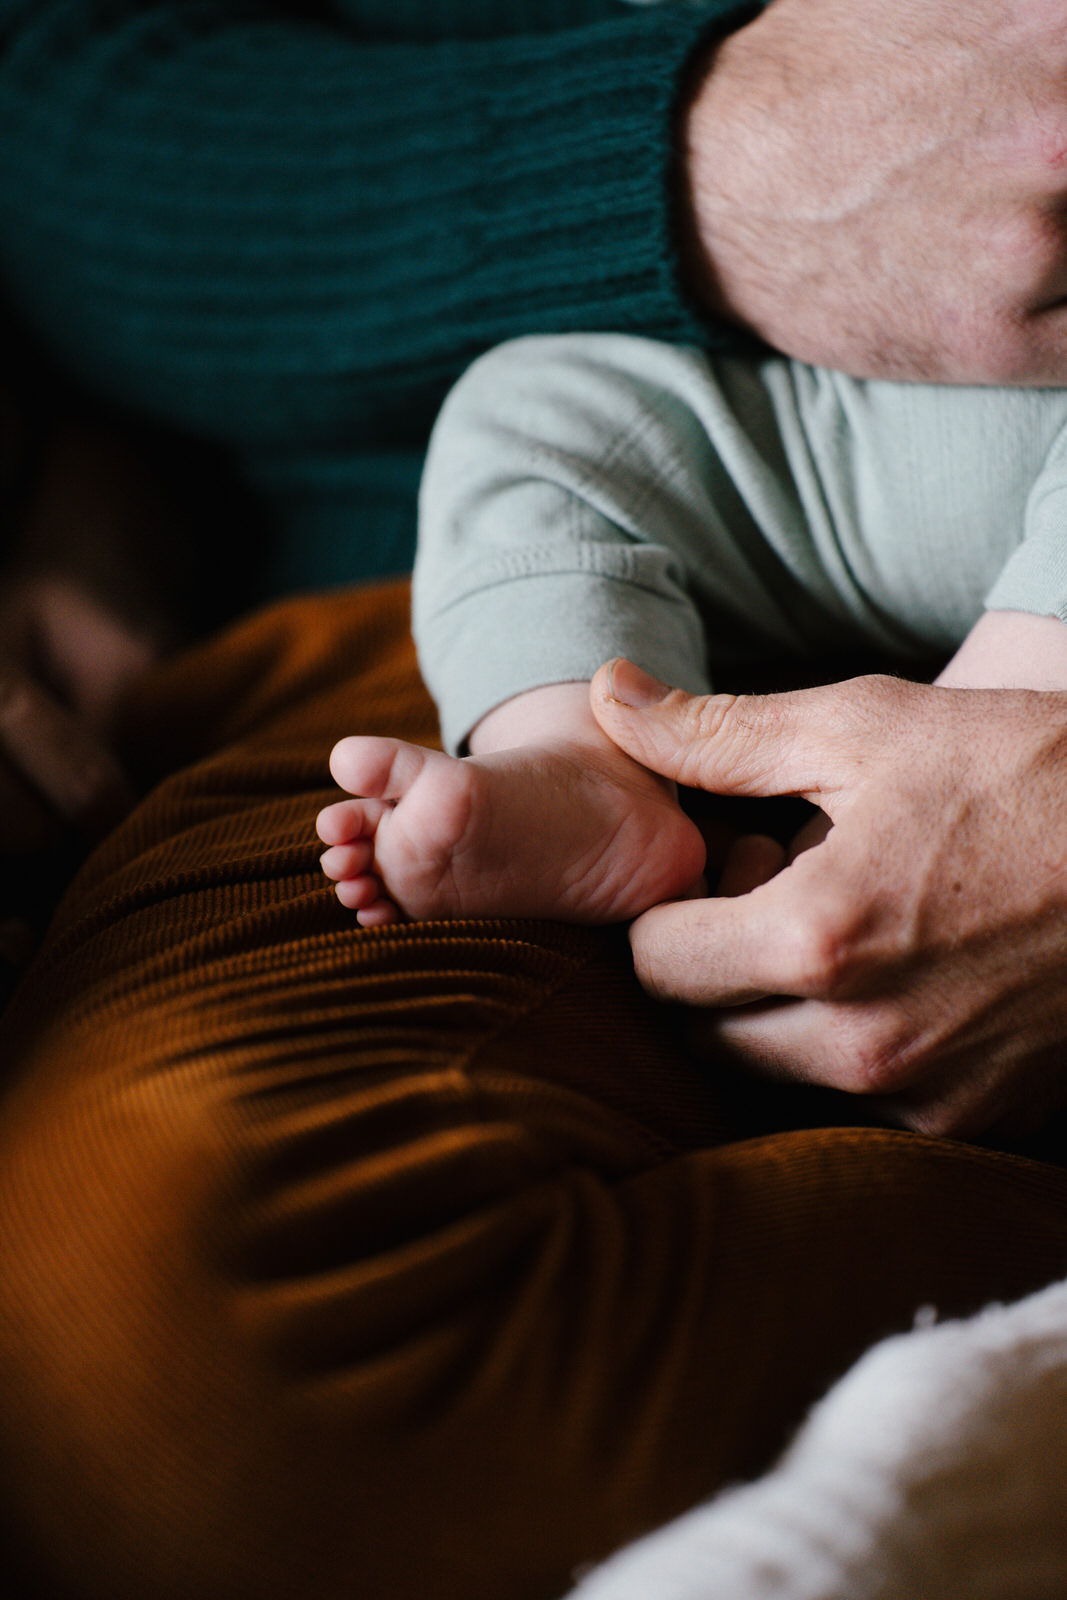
872,706
876,1050
743,723
647,967
884,1058
825,956
713,715
1000,336
706,723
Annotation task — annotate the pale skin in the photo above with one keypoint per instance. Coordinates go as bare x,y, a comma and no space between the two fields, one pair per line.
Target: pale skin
916,954
549,817
886,999
881,186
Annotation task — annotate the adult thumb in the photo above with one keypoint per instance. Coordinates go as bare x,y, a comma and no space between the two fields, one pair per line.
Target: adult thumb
725,743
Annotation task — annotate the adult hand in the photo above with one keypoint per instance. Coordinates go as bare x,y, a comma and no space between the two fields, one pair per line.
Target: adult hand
881,185
918,952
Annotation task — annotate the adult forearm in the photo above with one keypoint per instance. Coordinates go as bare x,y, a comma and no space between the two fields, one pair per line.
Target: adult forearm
881,188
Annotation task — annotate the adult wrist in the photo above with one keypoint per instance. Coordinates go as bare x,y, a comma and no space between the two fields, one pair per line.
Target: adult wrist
718,91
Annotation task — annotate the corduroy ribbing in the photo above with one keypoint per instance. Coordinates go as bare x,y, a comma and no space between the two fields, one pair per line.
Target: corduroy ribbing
410,1261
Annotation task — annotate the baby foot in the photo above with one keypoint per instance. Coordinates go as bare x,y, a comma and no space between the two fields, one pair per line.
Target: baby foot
564,831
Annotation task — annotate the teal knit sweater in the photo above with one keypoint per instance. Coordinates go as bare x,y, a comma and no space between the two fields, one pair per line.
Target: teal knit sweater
287,231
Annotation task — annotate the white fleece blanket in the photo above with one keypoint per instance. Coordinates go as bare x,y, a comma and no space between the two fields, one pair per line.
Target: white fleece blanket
936,1469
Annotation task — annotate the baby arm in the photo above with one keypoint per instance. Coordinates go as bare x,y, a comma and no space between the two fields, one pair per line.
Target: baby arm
1010,650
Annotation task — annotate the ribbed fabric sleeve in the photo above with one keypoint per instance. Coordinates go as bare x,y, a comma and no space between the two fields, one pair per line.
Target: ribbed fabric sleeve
272,230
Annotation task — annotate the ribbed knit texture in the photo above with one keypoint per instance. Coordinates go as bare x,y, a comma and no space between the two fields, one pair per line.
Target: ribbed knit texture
290,235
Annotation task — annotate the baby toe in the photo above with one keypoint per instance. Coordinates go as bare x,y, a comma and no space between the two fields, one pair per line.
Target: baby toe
356,894
346,860
377,915
339,823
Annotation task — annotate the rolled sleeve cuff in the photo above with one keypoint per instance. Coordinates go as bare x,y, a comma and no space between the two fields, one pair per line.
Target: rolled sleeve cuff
555,628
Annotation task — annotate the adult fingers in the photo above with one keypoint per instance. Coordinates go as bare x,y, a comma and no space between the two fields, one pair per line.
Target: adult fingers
783,937
874,1048
811,742
865,1050
880,1050
899,1052
58,755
